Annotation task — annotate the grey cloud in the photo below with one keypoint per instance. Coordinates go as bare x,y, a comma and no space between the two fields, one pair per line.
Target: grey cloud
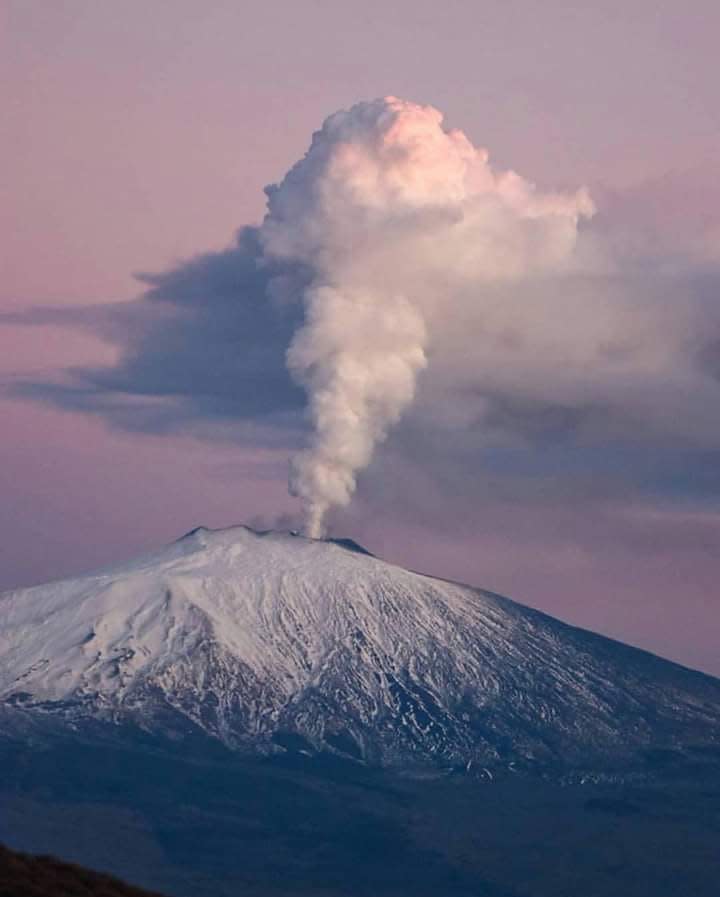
202,349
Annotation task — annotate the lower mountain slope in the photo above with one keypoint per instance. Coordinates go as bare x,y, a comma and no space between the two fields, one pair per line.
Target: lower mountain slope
271,643
199,820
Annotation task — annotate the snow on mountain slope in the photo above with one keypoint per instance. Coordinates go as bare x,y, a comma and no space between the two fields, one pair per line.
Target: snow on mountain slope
269,639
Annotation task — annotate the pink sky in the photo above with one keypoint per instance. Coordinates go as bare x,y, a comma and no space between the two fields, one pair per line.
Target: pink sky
139,133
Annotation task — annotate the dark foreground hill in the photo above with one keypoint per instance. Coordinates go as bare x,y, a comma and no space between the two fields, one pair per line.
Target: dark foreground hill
23,875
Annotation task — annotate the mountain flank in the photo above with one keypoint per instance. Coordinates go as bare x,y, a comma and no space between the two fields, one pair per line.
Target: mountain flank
272,643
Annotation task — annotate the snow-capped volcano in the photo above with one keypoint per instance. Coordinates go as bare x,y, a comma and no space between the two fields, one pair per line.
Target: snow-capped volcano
271,641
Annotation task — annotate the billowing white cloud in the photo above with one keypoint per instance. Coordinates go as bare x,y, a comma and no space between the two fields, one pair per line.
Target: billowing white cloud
513,343
402,229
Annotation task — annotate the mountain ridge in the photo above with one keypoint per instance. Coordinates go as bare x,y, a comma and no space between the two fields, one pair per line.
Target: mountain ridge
271,642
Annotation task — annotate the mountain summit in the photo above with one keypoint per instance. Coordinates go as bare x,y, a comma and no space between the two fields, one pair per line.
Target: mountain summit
272,642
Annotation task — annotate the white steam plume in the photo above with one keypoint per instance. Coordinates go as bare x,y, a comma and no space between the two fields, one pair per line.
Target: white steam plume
395,222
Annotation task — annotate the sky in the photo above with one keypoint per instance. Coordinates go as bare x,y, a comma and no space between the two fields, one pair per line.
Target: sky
143,384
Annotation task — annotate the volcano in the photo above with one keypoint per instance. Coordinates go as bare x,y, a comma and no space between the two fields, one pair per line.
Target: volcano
273,643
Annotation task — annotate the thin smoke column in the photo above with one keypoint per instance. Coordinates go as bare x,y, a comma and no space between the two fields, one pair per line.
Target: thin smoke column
390,221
